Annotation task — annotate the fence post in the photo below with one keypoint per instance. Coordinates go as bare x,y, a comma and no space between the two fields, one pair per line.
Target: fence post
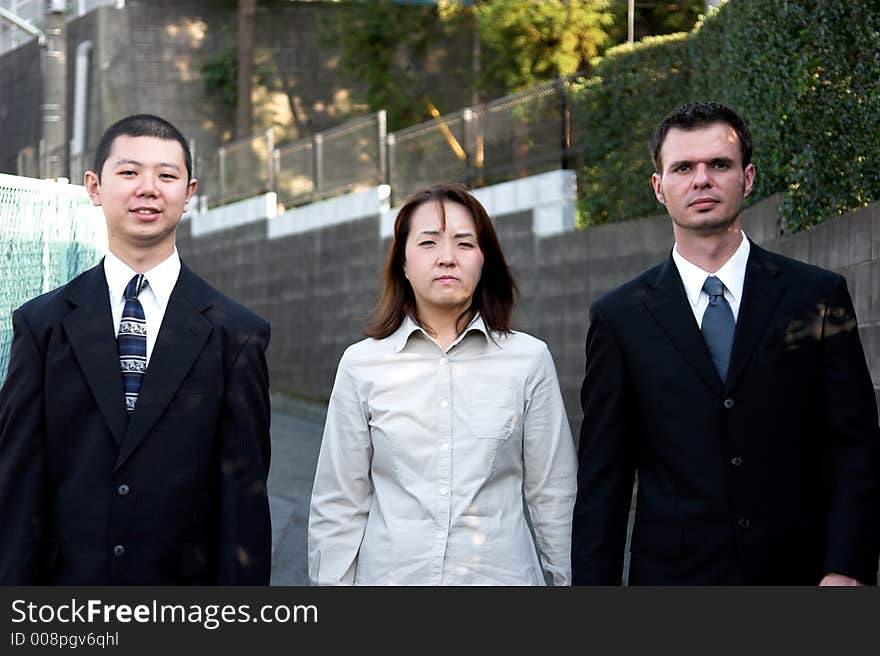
275,164
319,164
467,116
193,157
391,143
221,174
382,125
270,166
565,120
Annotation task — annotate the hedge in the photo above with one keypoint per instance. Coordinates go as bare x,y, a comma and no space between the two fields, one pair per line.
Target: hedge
804,73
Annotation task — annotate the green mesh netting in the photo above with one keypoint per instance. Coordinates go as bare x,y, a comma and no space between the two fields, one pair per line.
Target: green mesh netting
49,233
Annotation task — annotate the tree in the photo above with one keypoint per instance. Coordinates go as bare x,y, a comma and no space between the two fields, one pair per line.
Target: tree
245,55
526,43
384,45
519,43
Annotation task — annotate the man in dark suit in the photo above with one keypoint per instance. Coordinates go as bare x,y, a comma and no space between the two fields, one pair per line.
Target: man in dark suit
134,420
733,382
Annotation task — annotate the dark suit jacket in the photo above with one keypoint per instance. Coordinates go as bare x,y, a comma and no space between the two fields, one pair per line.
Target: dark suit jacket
174,495
768,478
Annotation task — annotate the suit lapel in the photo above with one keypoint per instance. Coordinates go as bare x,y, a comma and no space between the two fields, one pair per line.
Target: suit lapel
181,338
761,292
668,304
89,327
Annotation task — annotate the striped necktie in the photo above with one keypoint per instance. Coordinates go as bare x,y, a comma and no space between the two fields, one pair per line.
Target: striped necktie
132,342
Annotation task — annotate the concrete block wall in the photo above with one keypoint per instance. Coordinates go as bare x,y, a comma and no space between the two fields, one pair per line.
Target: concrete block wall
317,285
20,96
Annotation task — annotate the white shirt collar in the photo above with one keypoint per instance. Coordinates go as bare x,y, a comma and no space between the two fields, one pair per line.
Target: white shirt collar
409,326
732,274
161,278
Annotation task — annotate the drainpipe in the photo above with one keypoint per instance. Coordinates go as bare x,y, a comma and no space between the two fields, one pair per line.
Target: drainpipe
80,111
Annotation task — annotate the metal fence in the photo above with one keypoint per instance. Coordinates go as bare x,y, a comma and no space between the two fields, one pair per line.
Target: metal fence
512,137
244,168
333,162
348,158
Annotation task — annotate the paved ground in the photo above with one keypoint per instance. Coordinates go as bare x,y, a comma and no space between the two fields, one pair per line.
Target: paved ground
296,438
297,427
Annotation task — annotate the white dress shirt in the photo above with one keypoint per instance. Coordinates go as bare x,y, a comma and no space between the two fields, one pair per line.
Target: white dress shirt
426,457
154,297
732,275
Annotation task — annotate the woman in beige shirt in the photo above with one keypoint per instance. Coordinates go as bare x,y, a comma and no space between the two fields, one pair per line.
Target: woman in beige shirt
441,421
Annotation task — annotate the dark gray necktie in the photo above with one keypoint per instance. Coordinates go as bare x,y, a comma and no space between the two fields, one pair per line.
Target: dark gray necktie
718,326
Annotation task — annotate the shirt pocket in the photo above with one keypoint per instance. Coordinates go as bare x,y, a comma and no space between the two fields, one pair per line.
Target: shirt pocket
491,411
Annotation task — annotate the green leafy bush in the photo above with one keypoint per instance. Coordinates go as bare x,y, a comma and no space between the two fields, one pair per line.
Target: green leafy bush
804,73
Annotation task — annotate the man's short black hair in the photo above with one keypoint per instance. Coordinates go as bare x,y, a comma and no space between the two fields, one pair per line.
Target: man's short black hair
140,125
697,114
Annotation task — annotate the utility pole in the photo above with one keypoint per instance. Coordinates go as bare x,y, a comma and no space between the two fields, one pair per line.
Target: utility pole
53,110
631,21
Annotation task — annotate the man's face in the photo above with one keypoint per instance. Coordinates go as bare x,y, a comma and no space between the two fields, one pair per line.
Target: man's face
702,182
443,265
143,191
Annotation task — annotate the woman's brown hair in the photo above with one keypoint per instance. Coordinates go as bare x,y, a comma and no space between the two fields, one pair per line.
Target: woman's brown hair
495,293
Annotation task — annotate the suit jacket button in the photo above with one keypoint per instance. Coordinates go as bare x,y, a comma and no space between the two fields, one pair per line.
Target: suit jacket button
742,522
118,550
736,461
123,490
728,403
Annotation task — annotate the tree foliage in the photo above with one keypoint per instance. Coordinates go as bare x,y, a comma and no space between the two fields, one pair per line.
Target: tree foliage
527,43
387,46
220,74
804,73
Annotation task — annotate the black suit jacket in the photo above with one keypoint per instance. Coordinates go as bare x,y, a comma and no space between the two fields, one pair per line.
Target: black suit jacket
770,477
174,495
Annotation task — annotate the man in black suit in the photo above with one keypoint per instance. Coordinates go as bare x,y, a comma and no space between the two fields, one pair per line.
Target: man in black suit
733,381
134,420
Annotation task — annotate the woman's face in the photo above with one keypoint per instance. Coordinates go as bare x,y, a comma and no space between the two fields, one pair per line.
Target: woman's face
443,264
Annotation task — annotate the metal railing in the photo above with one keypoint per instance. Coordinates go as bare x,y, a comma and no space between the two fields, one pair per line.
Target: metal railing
244,168
348,158
511,137
333,162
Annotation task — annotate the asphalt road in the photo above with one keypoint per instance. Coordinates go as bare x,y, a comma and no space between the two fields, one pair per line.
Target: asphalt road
297,427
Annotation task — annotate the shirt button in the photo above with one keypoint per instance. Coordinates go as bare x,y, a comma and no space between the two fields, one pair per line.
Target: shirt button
444,447
742,522
442,362
728,403
440,535
118,550
444,403
123,490
736,461
444,491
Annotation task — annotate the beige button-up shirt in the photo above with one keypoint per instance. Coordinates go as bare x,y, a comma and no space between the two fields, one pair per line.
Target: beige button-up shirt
426,457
